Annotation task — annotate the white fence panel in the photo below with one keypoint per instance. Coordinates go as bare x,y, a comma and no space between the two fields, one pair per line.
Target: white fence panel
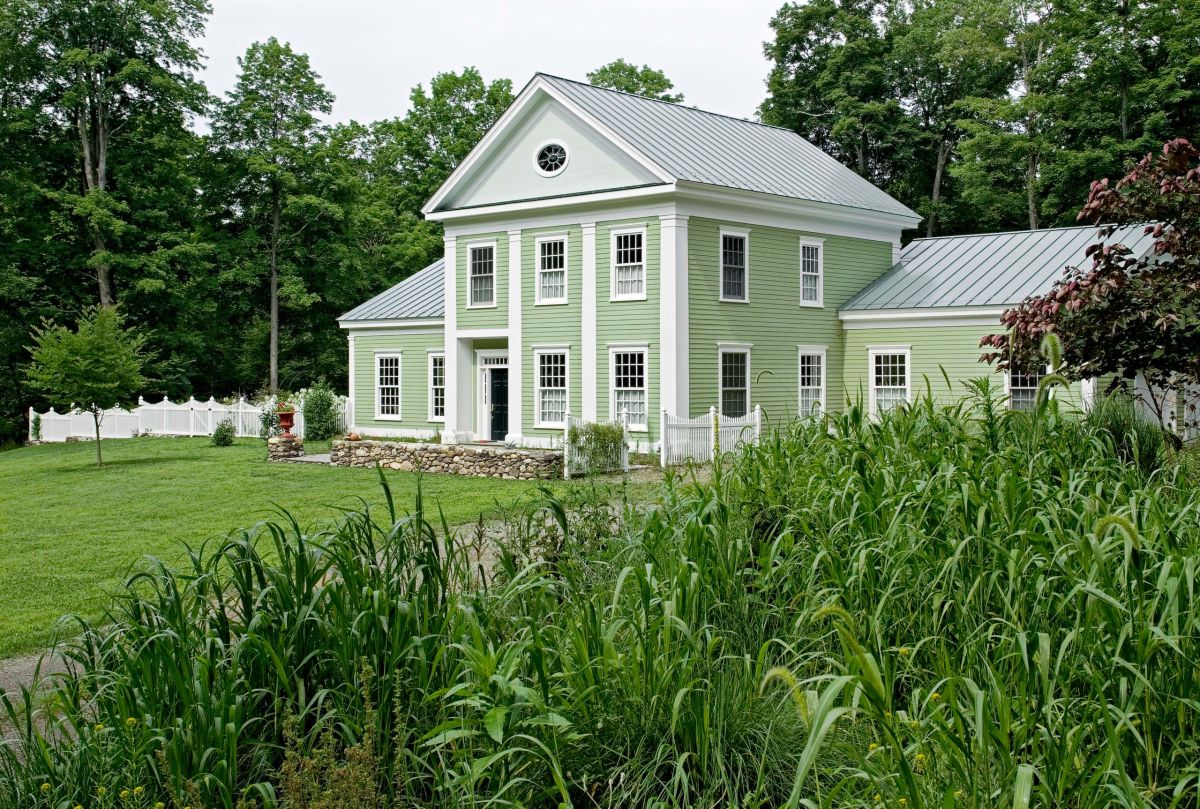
700,438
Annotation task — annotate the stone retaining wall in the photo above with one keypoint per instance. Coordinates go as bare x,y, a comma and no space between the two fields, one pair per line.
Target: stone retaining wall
280,448
449,459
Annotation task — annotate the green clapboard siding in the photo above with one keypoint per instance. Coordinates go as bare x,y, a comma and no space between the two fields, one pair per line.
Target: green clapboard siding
937,354
414,349
490,318
550,324
628,322
773,321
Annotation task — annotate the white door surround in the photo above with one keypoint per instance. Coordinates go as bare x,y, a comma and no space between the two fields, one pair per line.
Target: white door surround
485,360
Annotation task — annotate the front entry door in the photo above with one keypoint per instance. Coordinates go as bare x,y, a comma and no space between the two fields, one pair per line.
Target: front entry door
499,397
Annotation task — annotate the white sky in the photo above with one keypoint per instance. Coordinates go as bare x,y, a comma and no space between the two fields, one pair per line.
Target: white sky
369,53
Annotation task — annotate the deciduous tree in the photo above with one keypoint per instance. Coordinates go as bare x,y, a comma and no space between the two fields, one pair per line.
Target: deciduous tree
642,81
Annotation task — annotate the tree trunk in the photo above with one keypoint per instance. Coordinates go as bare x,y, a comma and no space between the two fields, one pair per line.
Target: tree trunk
92,125
103,271
943,156
1031,169
96,419
273,381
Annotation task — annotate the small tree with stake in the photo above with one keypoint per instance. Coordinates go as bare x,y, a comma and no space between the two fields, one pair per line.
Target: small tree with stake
1127,313
93,368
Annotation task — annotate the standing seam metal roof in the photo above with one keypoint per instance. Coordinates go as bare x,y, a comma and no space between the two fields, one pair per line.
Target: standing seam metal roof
421,295
988,269
704,147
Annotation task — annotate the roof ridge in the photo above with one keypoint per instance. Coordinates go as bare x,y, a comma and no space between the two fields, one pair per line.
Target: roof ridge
672,104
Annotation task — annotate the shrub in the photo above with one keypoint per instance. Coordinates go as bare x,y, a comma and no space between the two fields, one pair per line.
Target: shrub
1136,439
268,423
320,416
595,447
35,427
224,433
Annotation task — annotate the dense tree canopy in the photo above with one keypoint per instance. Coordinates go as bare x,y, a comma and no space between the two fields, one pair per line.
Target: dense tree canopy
629,78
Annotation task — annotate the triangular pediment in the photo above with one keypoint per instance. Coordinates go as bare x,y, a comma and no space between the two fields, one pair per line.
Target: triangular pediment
503,168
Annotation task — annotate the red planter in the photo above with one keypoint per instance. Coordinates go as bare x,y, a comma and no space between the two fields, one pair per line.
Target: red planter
286,420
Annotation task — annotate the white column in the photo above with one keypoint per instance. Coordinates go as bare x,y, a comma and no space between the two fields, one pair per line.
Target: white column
587,356
515,353
673,316
450,319
350,398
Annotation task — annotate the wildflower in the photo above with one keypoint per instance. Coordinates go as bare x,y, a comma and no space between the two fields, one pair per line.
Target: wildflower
914,724
903,801
99,728
160,805
124,794
903,653
46,786
130,722
138,790
878,798
958,794
872,747
920,758
935,696
100,791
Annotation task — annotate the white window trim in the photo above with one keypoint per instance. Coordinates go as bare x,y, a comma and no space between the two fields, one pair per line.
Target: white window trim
537,386
624,348
543,145
734,348
822,352
809,241
612,263
538,300
445,389
745,234
1008,385
399,414
874,351
471,246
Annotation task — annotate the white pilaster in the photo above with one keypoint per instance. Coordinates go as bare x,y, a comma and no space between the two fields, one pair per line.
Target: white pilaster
515,354
454,394
588,357
673,315
351,398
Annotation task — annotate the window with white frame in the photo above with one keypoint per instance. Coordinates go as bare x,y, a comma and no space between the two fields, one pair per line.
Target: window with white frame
629,265
812,380
812,264
551,398
437,387
889,379
482,266
1023,388
552,270
387,386
628,394
735,382
734,280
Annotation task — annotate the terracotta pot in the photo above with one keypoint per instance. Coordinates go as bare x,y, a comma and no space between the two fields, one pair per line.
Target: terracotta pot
352,437
286,420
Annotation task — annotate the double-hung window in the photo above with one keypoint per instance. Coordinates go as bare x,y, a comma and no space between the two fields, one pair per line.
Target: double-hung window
628,374
812,272
481,260
437,386
1023,388
735,381
889,370
735,283
551,394
552,270
628,265
387,386
812,380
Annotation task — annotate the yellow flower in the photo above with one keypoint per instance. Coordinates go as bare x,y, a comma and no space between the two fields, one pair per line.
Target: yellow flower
903,653
160,805
99,728
920,758
878,798
46,786
124,794
76,806
958,794
872,747
138,790
935,696
100,791
903,801
914,724
130,722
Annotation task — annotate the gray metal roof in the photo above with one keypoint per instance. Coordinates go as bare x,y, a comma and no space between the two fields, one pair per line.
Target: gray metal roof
420,296
704,147
988,269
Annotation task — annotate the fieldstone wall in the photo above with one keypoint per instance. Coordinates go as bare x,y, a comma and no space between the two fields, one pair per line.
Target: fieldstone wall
284,449
449,459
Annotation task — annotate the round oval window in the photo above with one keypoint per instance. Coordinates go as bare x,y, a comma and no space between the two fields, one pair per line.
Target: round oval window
551,158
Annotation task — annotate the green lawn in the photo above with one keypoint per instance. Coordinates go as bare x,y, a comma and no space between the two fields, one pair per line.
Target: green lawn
69,532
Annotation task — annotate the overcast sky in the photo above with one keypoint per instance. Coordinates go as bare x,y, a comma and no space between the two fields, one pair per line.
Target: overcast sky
371,52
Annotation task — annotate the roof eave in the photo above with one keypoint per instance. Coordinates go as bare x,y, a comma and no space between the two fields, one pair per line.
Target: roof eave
890,219
391,323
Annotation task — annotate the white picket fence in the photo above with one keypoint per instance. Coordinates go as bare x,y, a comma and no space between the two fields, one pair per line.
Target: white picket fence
190,418
700,438
580,459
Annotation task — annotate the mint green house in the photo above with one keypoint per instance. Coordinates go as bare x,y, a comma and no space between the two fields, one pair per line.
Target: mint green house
608,254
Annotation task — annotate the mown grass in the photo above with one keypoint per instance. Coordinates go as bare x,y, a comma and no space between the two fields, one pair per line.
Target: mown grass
70,532
954,607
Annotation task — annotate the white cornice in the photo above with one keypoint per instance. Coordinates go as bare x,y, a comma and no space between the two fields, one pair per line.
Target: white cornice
501,212
923,317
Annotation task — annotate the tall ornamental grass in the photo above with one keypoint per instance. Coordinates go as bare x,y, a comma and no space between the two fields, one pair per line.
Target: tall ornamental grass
951,606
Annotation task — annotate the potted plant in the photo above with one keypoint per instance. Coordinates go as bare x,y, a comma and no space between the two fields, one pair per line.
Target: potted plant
287,417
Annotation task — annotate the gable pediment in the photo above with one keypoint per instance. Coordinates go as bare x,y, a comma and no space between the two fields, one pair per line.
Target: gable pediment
505,167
